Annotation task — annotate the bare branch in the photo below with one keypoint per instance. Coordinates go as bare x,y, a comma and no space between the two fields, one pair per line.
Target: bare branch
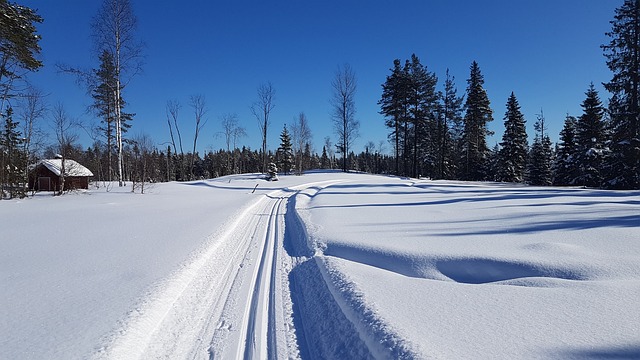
344,110
261,109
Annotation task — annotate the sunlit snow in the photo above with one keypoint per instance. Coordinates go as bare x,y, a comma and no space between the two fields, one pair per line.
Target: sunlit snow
337,266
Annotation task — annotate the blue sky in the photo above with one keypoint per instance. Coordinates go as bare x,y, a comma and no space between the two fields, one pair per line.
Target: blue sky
546,51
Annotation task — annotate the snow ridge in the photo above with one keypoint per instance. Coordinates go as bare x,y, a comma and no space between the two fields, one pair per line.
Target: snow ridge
336,321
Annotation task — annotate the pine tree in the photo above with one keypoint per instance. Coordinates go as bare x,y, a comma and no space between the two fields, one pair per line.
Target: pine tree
541,155
19,45
590,140
565,166
474,138
623,59
513,153
285,151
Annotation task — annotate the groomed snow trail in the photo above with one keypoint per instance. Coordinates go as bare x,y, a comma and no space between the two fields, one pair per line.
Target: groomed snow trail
255,322
230,300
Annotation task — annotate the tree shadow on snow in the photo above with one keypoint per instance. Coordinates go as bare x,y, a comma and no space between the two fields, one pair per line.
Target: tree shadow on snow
611,353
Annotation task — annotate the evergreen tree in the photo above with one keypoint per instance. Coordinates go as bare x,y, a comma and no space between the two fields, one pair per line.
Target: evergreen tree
565,166
285,151
272,172
474,138
19,45
590,140
104,105
513,153
12,159
423,107
623,59
324,160
541,155
493,161
410,105
394,106
449,130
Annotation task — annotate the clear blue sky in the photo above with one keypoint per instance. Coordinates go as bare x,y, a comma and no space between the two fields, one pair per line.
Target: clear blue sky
546,51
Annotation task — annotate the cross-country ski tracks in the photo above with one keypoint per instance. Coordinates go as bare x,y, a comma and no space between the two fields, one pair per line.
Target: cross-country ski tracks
176,318
259,327
228,301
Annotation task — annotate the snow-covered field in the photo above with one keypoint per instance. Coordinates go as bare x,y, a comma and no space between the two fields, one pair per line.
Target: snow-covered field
326,265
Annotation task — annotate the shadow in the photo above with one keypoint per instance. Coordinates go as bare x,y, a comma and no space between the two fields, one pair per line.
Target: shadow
485,271
610,353
507,198
322,330
627,221
402,264
471,191
295,233
215,184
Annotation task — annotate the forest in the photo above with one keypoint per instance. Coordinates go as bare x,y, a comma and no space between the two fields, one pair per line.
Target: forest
433,130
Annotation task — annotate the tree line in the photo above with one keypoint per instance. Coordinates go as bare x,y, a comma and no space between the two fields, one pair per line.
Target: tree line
438,134
433,131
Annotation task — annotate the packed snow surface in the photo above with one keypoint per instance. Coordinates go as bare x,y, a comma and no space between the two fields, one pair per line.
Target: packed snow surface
325,265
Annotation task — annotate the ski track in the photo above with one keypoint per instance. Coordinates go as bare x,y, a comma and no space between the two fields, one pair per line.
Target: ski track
240,298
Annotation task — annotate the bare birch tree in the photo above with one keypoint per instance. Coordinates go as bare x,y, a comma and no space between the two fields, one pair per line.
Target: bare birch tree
34,109
261,109
198,104
232,131
65,138
344,109
328,146
114,32
142,149
173,108
301,137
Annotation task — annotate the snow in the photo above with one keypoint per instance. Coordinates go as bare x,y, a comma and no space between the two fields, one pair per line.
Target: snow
325,265
72,167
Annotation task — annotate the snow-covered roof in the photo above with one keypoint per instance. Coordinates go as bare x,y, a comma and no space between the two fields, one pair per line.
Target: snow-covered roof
72,167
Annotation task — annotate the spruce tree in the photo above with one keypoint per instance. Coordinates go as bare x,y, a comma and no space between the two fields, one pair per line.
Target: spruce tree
324,159
104,105
12,160
622,170
272,172
514,146
540,156
590,140
474,138
285,151
565,166
450,127
394,105
423,106
493,161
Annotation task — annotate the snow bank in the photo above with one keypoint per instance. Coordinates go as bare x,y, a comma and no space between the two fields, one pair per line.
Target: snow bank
462,270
